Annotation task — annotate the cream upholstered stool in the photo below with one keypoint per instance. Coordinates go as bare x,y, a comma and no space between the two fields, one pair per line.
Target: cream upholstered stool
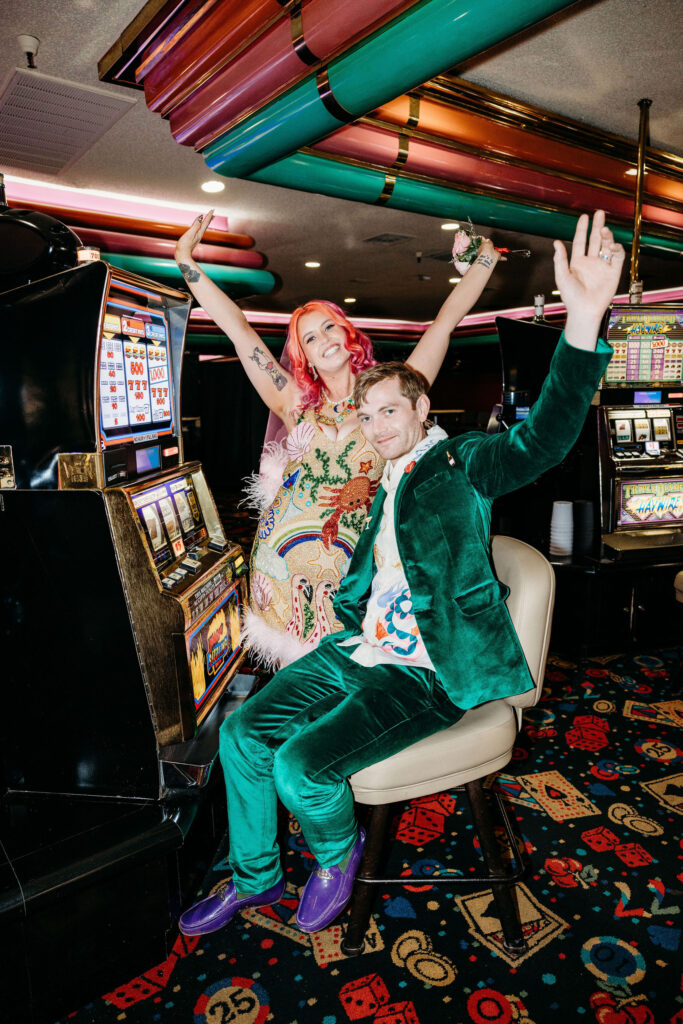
678,586
479,743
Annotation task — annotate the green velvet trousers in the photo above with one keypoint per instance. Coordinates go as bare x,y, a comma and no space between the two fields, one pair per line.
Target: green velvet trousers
318,721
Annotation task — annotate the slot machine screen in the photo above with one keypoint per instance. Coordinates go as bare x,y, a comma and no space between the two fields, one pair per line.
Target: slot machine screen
648,346
171,519
135,379
650,502
213,646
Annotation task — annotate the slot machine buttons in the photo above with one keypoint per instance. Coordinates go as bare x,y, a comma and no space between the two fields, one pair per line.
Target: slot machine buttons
190,566
179,572
167,583
176,576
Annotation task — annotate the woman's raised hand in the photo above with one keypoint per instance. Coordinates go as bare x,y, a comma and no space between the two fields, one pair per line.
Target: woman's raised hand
192,237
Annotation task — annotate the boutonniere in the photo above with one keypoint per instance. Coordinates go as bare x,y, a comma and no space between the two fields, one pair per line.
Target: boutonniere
466,249
409,467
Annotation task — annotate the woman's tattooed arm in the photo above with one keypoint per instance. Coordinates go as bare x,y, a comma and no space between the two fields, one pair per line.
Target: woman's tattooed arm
259,357
189,273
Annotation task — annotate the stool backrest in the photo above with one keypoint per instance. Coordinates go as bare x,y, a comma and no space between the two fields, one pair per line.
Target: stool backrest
531,580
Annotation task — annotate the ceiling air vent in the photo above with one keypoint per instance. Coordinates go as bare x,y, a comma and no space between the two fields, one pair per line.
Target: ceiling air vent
47,123
445,256
388,239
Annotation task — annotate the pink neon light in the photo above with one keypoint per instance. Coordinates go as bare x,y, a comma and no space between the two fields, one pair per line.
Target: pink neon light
473,320
40,192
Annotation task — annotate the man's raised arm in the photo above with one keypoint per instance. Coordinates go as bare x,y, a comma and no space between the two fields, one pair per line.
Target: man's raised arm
499,463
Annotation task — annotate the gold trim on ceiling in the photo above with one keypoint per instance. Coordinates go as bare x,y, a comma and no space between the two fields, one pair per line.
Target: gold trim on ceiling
476,99
129,45
298,42
403,148
387,191
497,157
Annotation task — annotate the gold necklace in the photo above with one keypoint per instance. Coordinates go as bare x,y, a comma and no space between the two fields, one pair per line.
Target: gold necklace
341,410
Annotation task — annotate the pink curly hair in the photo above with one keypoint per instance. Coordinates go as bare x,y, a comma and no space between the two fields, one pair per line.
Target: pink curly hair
357,343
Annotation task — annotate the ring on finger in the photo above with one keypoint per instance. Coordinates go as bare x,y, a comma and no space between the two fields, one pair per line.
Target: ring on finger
606,255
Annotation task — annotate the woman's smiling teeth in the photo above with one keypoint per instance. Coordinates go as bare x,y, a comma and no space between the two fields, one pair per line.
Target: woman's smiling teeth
331,351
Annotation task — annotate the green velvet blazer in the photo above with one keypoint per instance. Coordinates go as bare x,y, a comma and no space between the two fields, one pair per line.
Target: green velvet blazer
443,515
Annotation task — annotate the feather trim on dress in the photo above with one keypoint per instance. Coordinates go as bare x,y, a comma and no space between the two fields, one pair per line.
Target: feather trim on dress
261,488
268,647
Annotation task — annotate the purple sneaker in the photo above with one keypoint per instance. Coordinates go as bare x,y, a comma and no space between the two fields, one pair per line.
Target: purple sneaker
327,892
218,909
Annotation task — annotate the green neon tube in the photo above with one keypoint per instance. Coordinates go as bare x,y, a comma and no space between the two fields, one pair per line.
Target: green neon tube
333,178
237,282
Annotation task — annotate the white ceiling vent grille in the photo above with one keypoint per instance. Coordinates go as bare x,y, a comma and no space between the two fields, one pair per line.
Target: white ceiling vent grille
47,123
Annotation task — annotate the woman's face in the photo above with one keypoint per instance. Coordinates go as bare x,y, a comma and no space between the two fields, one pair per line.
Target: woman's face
323,342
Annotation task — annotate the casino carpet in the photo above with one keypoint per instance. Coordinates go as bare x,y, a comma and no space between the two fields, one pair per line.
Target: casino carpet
596,785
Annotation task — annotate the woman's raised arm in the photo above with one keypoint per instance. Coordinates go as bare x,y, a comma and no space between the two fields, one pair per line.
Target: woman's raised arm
430,351
275,385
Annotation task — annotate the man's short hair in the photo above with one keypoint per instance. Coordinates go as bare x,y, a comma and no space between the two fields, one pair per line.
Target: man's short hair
411,382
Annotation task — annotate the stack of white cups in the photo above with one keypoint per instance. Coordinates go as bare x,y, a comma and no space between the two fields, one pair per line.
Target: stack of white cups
562,528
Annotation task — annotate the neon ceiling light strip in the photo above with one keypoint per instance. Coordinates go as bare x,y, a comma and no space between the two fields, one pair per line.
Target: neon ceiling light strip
30,191
473,320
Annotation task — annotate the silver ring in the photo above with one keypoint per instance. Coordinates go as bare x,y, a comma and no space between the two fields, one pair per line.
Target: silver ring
605,255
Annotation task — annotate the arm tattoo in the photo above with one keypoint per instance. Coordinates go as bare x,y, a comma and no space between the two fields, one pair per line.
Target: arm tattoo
189,273
259,357
484,261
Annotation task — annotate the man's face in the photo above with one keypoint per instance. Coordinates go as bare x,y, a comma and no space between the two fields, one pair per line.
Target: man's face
389,421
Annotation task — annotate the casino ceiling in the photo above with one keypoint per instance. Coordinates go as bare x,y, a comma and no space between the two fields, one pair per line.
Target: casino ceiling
347,133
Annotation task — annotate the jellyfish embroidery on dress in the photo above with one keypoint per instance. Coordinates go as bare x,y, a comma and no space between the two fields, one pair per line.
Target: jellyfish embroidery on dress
397,629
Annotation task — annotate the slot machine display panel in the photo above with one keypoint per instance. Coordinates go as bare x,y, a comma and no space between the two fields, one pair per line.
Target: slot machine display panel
640,431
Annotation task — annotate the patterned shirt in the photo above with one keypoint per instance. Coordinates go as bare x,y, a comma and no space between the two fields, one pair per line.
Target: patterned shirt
390,631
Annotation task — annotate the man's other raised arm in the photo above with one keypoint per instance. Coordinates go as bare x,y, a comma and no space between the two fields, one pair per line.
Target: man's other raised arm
587,282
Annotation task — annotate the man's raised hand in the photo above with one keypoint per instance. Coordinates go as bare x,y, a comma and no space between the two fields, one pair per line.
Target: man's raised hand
588,281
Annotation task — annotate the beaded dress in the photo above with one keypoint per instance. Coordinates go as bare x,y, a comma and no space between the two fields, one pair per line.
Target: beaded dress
307,533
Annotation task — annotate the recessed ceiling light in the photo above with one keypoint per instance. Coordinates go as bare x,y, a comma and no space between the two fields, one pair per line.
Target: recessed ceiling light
311,263
556,292
451,226
632,170
349,298
212,186
454,280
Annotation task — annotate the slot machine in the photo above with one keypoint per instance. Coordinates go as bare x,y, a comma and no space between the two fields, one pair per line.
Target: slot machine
640,433
526,351
120,599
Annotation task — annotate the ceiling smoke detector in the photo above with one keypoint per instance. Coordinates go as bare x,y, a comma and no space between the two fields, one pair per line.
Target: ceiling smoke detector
29,46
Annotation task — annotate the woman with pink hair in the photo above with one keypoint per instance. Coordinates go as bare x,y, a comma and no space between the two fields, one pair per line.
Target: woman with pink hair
314,488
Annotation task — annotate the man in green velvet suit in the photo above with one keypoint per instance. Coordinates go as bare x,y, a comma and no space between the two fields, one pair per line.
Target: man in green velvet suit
426,630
